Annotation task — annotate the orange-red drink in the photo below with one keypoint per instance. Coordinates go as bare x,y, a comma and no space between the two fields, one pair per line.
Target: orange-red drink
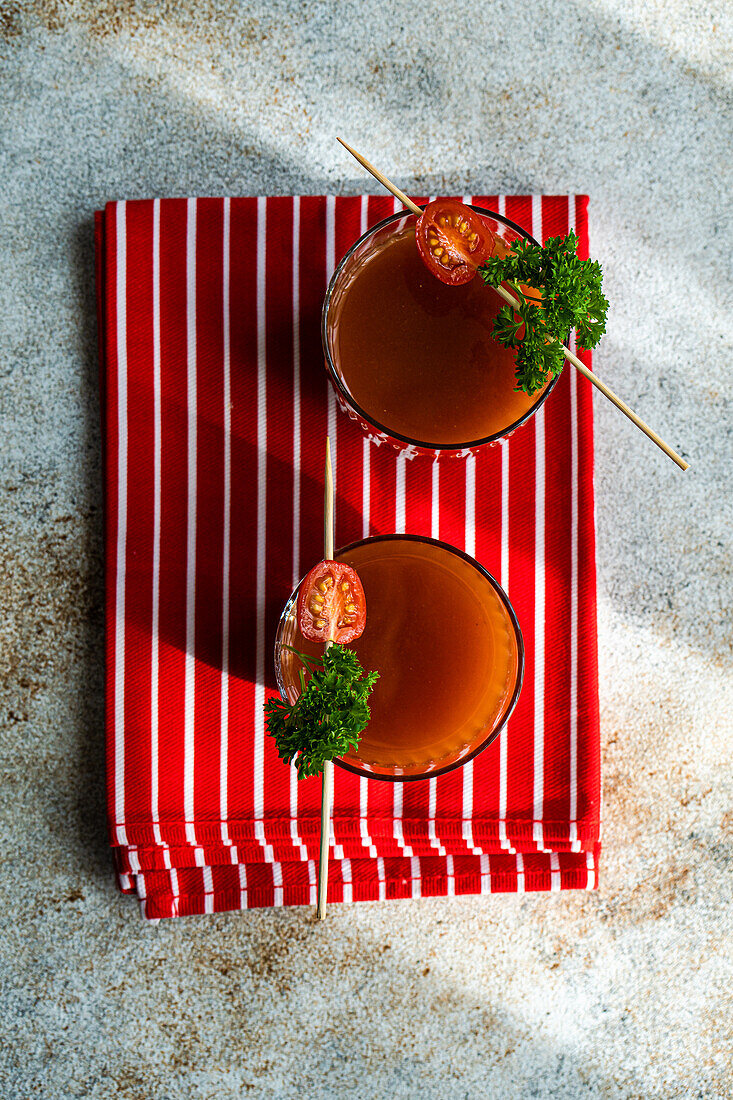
413,357
444,639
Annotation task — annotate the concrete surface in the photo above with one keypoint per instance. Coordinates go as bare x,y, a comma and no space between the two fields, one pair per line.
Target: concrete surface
622,993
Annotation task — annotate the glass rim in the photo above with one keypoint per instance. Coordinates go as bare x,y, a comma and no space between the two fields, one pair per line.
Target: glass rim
348,397
506,710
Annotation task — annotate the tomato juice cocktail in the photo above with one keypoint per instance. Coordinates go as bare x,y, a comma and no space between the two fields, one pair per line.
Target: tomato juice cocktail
414,359
443,637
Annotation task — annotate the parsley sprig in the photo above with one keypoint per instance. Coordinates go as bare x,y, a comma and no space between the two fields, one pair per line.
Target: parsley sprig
329,715
568,297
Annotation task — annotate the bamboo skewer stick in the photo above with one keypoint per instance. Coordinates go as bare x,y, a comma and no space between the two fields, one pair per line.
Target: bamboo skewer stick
383,179
327,777
604,389
512,301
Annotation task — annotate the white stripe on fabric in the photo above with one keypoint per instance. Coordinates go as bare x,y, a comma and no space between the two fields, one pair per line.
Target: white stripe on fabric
208,890
330,264
366,501
175,899
435,533
573,834
330,235
466,824
400,478
432,801
296,391
338,851
331,423
259,715
365,508
539,596
520,873
134,860
501,205
346,876
537,217
191,400
504,566
260,837
573,800
470,537
470,547
539,630
415,875
125,881
312,892
382,879
155,624
504,580
242,886
226,547
590,864
365,487
277,883
554,871
397,811
199,858
294,833
364,817
366,445
485,875
450,883
121,563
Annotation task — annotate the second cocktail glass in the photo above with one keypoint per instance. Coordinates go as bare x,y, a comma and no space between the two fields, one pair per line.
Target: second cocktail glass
445,640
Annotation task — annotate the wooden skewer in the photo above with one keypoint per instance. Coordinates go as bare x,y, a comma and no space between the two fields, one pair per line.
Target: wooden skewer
327,778
514,303
383,179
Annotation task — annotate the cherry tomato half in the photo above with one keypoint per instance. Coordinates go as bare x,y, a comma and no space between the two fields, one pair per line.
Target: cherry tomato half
332,604
453,240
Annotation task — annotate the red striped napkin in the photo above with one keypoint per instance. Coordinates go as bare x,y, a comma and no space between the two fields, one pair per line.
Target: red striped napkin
216,404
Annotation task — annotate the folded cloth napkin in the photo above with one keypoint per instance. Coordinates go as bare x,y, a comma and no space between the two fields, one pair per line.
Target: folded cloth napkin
215,404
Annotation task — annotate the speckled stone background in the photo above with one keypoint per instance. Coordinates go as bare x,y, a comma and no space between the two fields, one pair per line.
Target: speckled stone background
621,993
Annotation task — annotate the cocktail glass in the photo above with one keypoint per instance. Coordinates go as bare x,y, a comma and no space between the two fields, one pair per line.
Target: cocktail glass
412,323
443,636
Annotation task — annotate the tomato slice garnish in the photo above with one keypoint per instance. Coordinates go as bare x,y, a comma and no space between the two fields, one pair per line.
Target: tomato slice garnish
332,604
453,240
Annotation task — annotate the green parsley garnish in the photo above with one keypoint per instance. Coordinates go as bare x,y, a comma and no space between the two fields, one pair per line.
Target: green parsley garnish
329,715
571,298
